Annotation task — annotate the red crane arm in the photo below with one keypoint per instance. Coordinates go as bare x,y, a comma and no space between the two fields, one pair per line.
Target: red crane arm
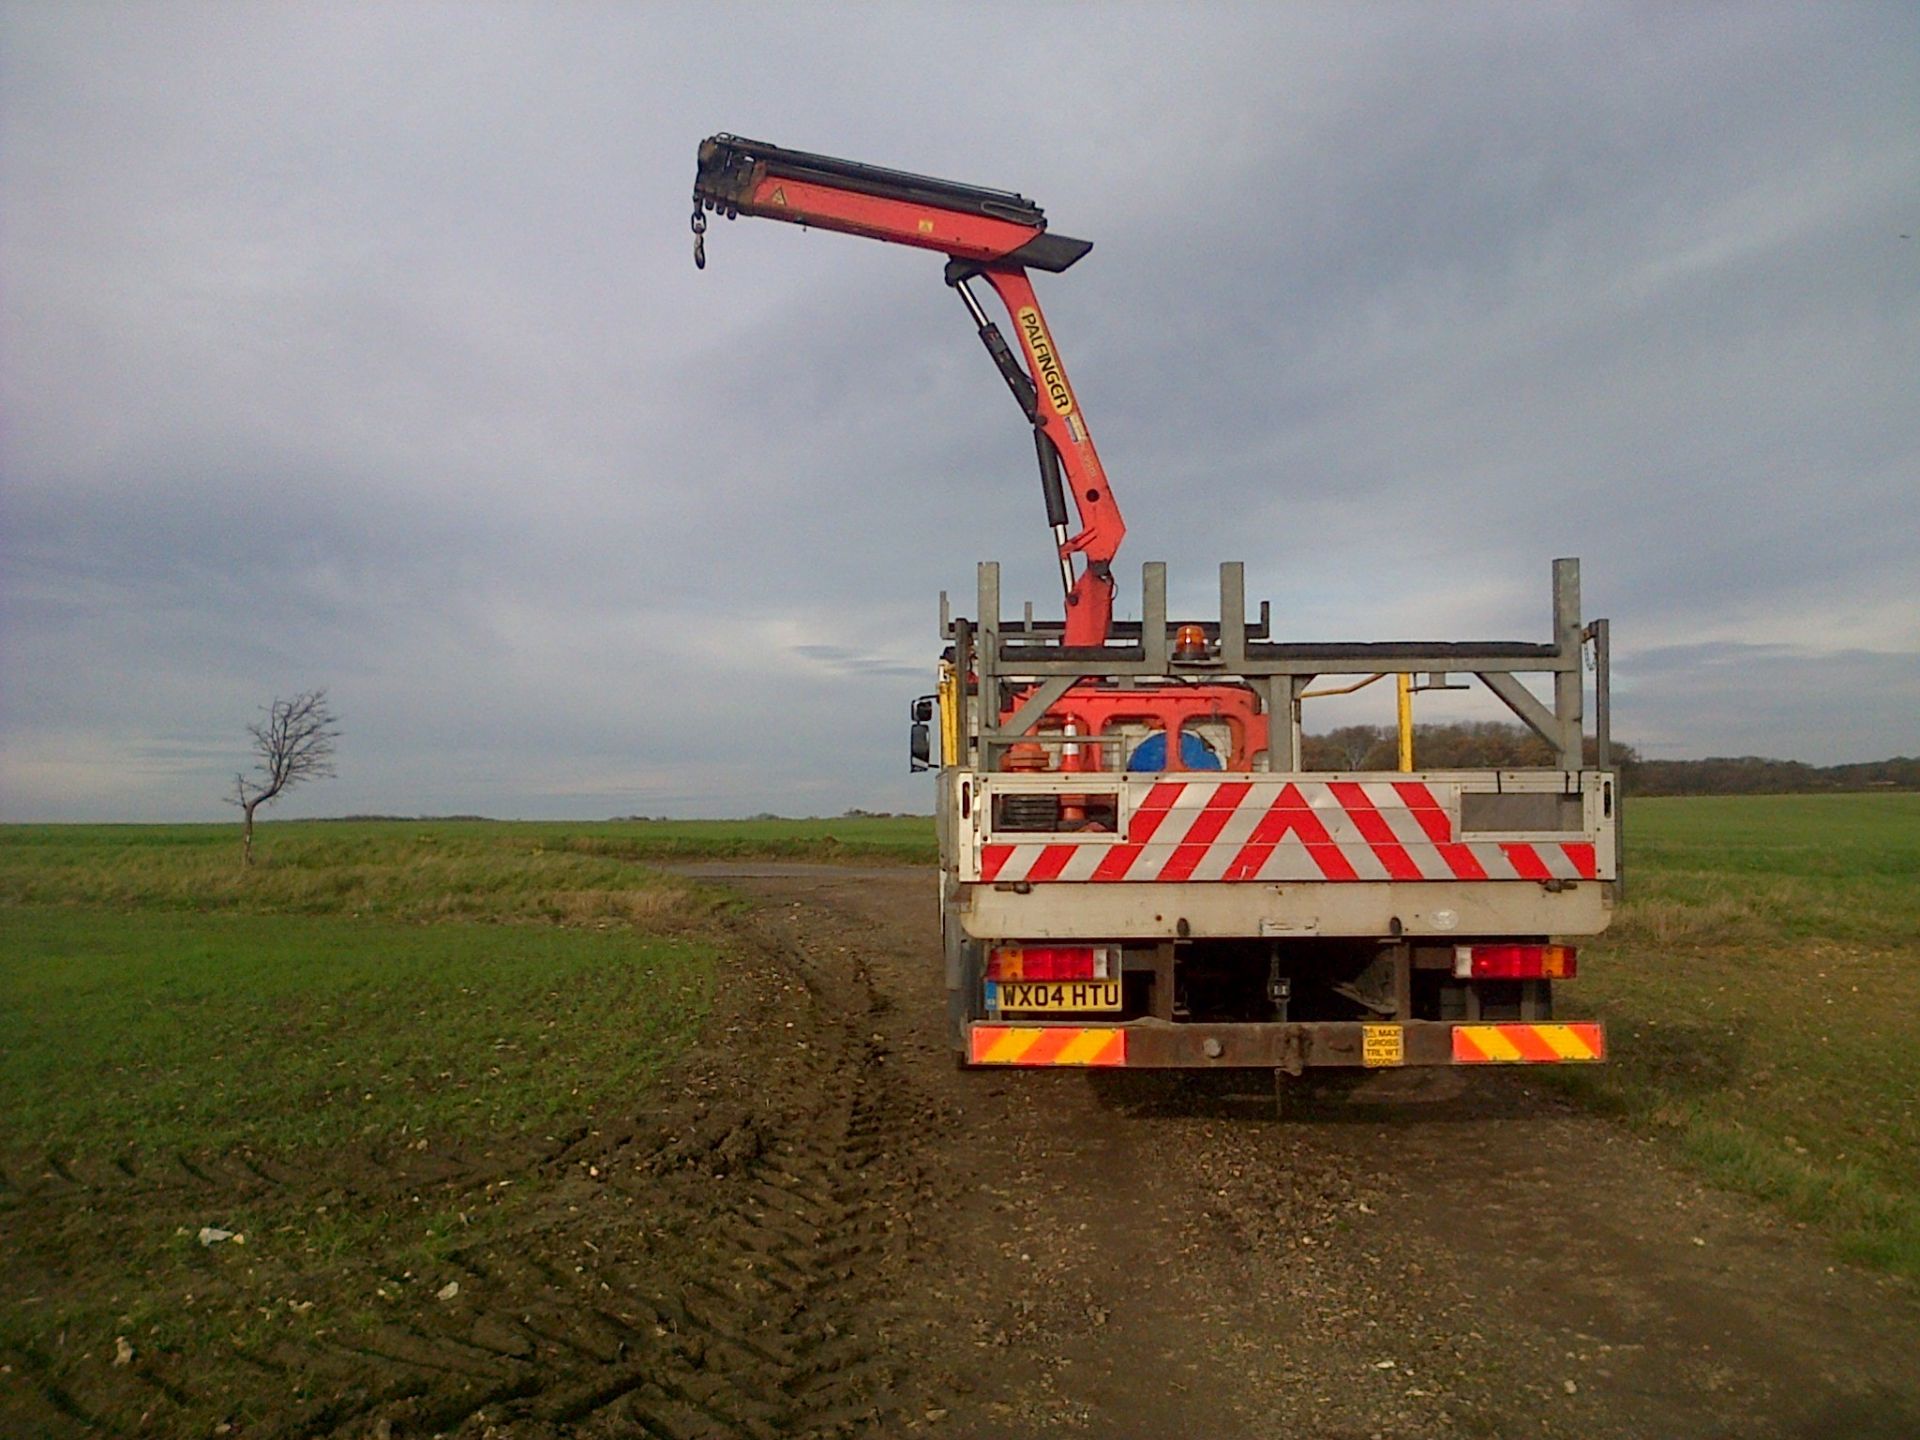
930,227
1057,415
994,235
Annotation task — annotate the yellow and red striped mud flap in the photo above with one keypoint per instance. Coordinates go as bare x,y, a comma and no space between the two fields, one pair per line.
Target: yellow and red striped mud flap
1519,1044
1046,1045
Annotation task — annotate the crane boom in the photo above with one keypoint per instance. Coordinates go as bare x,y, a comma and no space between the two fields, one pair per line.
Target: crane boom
991,235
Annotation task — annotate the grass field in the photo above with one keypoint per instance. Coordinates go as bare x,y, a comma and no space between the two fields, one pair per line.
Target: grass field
276,1051
361,984
415,870
1762,986
369,983
161,1032
365,982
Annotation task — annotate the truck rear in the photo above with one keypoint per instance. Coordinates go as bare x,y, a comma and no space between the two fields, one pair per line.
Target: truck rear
1129,878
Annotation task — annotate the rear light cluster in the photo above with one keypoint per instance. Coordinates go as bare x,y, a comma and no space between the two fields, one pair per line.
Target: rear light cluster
1053,962
1513,962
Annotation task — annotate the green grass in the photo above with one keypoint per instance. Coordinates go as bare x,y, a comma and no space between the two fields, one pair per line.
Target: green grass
416,870
1762,985
162,1031
367,981
1762,988
893,837
363,990
362,983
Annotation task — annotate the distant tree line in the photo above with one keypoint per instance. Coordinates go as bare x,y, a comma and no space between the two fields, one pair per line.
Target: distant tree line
1494,744
1754,775
1464,745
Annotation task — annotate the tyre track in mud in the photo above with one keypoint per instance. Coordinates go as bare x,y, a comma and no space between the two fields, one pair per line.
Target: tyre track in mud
721,1289
56,1178
1422,1255
821,1228
713,1268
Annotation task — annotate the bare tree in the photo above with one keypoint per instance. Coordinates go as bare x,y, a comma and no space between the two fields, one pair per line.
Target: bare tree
1355,744
292,745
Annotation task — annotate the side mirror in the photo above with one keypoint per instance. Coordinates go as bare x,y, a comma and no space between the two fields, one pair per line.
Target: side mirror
919,748
923,709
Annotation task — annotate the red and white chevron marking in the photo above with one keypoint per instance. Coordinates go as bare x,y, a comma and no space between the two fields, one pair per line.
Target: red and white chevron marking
1239,830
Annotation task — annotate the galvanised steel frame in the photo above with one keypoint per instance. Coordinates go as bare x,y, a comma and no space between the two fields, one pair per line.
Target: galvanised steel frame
1026,653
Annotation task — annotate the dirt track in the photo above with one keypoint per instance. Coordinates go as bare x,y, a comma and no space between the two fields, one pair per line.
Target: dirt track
833,1231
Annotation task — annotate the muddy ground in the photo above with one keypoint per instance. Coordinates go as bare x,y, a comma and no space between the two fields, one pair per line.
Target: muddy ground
827,1229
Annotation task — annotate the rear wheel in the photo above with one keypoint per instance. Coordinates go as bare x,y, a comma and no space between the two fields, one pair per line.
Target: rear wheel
964,967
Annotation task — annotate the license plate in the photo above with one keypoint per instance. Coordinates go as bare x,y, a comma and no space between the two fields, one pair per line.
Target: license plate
1033,995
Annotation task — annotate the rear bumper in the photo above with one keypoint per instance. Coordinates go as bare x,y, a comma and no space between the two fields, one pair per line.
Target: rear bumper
1158,1044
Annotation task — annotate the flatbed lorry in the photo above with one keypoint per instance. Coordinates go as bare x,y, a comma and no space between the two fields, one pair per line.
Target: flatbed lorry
1135,869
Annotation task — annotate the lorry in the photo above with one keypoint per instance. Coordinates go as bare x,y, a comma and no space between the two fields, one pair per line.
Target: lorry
1135,868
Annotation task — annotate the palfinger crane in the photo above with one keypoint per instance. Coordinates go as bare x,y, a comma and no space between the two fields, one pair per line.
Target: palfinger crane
990,235
1137,868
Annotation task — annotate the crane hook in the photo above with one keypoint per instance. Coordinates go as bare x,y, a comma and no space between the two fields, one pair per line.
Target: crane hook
699,236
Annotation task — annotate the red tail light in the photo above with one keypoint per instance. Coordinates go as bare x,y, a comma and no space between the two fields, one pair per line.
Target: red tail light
1514,962
1051,962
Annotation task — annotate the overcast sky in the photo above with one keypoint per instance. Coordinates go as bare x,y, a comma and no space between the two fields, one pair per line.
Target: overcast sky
361,347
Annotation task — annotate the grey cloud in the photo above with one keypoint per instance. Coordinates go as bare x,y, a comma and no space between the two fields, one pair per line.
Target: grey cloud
361,346
1690,701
